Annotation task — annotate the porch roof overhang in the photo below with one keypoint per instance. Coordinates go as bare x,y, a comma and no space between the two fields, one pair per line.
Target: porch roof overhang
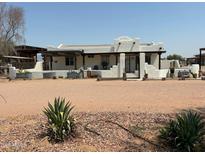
132,52
60,52
63,52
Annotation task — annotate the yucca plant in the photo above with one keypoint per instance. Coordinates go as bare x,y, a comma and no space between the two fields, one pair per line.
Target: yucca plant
60,120
186,133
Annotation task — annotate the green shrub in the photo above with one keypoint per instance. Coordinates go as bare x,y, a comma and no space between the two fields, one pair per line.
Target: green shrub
60,120
23,72
186,133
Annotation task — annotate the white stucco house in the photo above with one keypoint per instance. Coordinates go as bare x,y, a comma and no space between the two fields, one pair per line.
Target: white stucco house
124,56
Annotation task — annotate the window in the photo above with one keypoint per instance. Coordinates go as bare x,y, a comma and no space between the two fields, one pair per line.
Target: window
90,56
69,61
105,61
148,59
105,58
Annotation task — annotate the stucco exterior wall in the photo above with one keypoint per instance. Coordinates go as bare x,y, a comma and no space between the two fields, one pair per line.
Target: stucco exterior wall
155,60
111,73
166,64
97,59
126,44
59,64
113,60
151,47
91,62
38,67
79,61
203,68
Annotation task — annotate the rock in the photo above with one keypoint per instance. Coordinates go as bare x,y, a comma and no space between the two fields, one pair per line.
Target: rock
44,142
3,129
86,148
138,141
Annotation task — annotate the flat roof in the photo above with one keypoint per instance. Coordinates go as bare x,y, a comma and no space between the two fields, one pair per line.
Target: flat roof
122,44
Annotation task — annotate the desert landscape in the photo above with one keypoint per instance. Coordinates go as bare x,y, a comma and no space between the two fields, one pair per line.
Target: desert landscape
139,107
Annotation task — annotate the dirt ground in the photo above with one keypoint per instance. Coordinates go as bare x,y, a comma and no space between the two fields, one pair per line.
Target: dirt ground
28,97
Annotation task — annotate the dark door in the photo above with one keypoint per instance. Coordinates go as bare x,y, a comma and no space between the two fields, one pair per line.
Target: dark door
130,63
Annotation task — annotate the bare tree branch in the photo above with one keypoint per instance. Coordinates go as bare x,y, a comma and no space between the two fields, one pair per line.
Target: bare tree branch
11,28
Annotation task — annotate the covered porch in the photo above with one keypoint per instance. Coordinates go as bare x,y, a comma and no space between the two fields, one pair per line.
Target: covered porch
107,65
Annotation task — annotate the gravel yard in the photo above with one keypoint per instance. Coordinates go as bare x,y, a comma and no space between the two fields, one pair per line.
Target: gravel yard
26,133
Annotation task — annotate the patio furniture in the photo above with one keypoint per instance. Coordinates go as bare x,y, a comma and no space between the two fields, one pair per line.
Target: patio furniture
183,74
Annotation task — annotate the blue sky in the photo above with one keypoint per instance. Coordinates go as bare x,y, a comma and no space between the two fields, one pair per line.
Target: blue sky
180,26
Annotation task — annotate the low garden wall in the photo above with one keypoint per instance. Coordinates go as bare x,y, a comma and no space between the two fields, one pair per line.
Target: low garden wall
112,73
50,74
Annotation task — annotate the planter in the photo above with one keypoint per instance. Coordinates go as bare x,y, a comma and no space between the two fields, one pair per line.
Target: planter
73,75
24,75
49,75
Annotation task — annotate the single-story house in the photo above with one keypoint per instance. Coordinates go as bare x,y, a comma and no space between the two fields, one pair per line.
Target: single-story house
125,56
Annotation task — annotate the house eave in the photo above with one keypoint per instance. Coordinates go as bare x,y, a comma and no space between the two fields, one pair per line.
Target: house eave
96,53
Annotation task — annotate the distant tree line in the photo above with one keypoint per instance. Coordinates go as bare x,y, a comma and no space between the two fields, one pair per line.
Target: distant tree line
175,57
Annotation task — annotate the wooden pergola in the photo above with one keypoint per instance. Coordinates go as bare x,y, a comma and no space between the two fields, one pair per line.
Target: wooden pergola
28,51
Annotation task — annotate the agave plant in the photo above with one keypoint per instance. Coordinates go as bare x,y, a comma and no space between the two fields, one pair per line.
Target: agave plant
186,133
61,122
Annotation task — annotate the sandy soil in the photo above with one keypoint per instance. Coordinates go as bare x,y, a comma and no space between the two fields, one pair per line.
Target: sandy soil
28,97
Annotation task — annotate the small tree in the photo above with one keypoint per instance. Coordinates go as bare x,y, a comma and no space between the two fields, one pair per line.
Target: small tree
11,28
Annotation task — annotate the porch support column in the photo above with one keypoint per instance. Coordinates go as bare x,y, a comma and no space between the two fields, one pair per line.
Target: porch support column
142,65
122,65
160,60
51,63
116,59
200,63
83,61
44,62
75,62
